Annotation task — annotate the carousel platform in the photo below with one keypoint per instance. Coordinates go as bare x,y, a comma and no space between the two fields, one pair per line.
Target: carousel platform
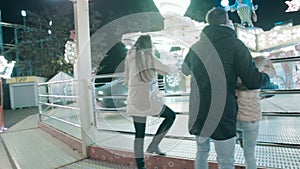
29,144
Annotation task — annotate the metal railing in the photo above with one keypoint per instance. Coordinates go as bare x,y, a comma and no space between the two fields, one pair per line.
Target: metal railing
56,106
55,99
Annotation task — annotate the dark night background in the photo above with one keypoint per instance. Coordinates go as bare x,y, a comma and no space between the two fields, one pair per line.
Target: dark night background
269,11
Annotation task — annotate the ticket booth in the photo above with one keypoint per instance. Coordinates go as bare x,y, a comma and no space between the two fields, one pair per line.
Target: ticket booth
23,91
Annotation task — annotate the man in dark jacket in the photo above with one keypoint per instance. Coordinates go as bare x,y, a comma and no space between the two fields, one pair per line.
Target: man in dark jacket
214,63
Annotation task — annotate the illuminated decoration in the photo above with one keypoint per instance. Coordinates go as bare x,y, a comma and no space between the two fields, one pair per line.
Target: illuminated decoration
225,3
6,68
165,39
178,30
172,7
23,13
245,10
293,5
259,41
70,52
173,13
70,49
173,80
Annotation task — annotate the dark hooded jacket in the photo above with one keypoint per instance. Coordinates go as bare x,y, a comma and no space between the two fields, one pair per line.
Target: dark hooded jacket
215,62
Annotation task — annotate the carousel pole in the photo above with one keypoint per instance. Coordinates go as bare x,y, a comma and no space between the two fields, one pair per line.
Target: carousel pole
83,73
2,128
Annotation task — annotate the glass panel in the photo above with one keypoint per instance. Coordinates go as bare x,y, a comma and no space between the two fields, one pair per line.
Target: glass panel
287,75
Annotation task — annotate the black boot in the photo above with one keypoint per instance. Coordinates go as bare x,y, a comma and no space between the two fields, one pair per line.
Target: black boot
139,153
140,163
164,127
153,146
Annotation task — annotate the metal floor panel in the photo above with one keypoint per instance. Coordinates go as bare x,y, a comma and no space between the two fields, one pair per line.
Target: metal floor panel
35,149
267,156
27,123
272,130
94,164
280,130
4,159
67,128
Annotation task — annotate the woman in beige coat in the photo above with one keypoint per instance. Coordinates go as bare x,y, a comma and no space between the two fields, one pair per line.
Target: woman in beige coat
249,113
144,98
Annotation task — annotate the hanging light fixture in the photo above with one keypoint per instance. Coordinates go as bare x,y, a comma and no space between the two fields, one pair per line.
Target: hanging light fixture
172,7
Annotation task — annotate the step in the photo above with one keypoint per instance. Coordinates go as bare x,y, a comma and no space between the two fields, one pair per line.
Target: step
36,149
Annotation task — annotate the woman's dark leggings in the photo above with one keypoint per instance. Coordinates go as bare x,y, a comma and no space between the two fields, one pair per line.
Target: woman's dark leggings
140,123
140,126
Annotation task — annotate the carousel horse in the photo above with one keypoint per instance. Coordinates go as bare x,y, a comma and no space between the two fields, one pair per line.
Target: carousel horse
246,12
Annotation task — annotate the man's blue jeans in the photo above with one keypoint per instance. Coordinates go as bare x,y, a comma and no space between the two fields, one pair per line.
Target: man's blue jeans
224,149
249,135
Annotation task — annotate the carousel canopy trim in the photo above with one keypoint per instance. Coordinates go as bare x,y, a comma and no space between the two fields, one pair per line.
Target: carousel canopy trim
258,40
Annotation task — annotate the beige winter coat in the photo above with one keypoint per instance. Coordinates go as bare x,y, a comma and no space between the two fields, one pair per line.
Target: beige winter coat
249,109
144,98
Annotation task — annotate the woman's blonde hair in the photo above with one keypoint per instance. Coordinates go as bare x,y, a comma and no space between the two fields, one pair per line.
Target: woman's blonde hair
144,58
260,61
265,65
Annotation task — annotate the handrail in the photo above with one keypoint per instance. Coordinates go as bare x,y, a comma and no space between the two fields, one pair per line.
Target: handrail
124,96
290,91
60,106
111,75
56,82
64,121
290,59
123,109
98,110
59,96
285,114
